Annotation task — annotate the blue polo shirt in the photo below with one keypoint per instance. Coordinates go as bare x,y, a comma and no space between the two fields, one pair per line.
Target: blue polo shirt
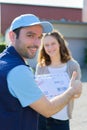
22,85
17,89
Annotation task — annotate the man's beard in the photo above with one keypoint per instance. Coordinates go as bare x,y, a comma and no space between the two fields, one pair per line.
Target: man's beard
33,47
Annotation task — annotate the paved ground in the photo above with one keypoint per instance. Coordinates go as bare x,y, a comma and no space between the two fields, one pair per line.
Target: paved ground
79,121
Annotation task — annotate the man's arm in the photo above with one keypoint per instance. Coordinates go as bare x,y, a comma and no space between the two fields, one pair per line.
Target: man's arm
25,89
48,108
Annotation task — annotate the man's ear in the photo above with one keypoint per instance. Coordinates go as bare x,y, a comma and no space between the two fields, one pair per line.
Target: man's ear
12,36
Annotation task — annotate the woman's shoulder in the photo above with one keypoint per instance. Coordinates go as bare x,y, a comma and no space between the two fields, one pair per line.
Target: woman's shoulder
41,66
41,69
73,62
73,65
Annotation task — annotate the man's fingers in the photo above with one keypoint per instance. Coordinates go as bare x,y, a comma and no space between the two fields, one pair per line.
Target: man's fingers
76,85
74,75
77,95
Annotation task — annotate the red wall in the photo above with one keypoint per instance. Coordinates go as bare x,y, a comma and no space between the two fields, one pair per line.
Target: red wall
10,11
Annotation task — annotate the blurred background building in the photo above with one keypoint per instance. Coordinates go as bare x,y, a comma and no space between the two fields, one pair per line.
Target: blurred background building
71,22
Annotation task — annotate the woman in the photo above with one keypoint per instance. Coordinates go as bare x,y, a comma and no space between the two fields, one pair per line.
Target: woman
54,58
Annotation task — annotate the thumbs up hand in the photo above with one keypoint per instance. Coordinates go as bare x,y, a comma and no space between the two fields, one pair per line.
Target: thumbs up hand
76,85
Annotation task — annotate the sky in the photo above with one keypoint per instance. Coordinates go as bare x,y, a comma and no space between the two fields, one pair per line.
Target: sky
55,3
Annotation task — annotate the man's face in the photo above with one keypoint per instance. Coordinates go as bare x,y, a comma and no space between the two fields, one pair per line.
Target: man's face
28,41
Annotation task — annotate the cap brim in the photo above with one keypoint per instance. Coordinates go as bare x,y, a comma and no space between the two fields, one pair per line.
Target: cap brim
47,27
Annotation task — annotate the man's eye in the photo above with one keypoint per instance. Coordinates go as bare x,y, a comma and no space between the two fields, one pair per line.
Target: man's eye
30,35
40,37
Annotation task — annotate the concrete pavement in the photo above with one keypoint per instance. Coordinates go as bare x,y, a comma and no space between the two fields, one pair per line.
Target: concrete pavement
79,120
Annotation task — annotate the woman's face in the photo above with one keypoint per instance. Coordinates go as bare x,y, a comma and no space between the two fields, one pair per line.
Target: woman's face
51,46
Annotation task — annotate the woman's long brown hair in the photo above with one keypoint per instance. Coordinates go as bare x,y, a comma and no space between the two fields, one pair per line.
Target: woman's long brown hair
65,55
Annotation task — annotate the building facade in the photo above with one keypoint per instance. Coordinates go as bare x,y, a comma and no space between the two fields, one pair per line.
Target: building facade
67,20
9,11
84,11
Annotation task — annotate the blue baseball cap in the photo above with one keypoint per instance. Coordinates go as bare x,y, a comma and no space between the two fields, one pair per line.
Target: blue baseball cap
27,20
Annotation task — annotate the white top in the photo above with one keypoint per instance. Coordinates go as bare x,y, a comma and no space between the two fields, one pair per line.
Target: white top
61,83
53,84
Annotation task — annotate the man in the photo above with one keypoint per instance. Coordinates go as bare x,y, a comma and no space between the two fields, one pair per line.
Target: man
20,97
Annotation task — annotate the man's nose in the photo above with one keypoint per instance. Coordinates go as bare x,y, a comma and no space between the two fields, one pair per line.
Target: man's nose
37,41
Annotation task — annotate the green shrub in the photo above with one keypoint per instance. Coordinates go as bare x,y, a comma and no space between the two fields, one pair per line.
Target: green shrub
2,47
85,55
